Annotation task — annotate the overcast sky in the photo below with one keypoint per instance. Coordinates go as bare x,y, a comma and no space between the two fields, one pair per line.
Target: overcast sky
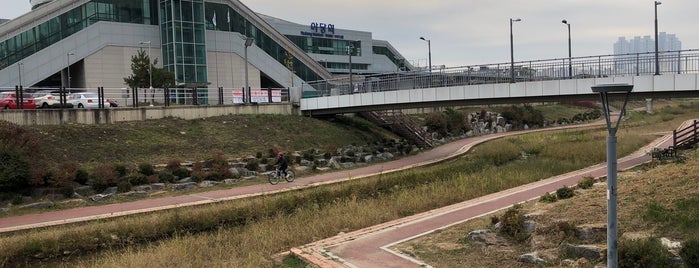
477,31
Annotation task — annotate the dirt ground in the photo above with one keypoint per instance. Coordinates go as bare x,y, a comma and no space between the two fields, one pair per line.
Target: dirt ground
655,182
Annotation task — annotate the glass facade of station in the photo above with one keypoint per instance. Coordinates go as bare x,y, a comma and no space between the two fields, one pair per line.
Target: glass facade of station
39,37
183,36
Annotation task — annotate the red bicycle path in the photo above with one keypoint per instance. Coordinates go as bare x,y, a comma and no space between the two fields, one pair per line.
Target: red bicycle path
370,247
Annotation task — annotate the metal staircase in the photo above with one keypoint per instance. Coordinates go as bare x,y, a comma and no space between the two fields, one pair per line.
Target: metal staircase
401,124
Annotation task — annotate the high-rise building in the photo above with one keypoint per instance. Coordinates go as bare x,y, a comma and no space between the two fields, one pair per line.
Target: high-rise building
638,53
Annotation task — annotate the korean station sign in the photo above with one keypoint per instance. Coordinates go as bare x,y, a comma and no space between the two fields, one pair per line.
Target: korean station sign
318,29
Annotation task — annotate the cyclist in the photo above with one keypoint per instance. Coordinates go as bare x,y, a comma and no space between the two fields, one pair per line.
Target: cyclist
283,164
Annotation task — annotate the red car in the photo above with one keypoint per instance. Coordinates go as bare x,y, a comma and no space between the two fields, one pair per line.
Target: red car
8,100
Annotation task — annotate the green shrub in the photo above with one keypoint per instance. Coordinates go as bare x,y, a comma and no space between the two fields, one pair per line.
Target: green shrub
690,253
102,177
258,155
565,193
252,165
67,191
213,176
548,198
643,253
15,171
121,170
166,176
309,155
586,183
124,187
146,169
64,174
512,224
218,167
181,172
81,176
137,179
437,122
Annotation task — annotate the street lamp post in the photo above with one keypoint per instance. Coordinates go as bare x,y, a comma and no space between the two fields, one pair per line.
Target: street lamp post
604,90
570,53
512,51
68,68
350,50
657,63
429,52
248,43
150,72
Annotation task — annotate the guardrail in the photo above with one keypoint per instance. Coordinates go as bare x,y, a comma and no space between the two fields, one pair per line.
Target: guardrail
683,61
686,137
137,97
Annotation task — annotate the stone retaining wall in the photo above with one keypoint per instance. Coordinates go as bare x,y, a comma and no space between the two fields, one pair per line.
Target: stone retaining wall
113,115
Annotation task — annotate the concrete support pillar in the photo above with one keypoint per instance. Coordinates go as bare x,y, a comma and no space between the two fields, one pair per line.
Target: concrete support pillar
649,106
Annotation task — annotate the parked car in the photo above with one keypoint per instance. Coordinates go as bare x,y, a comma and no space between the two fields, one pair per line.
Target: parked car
48,99
8,100
84,100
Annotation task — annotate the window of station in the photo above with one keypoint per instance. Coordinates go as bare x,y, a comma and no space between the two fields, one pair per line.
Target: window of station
325,46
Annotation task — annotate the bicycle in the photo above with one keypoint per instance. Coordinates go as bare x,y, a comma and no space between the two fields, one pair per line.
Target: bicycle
276,176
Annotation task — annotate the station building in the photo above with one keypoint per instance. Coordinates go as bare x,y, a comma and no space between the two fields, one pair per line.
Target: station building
89,44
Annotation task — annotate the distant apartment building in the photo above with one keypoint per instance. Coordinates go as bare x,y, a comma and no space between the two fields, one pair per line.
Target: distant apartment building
637,54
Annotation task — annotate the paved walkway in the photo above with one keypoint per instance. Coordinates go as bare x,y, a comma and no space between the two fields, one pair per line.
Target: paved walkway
370,247
440,153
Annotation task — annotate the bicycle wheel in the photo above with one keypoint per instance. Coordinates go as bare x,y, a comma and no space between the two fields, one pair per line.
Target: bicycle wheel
290,176
273,178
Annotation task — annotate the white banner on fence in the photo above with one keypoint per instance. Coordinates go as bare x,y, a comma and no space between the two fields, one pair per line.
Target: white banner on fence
259,96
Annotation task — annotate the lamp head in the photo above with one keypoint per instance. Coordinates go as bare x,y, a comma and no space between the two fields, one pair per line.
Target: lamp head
423,39
564,21
517,19
657,3
248,41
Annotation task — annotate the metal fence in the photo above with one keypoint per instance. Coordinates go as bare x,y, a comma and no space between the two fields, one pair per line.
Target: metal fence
679,62
138,97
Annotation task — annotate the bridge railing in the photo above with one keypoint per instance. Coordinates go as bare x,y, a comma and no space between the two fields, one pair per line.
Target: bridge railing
635,64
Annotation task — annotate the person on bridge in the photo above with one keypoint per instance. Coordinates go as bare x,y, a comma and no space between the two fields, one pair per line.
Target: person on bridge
283,164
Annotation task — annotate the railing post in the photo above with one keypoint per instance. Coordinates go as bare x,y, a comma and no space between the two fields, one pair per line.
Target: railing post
195,96
695,131
134,100
637,65
599,66
674,139
166,97
679,62
100,98
269,95
18,99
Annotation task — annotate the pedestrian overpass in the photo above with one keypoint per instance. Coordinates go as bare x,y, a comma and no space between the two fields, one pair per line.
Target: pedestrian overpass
540,81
